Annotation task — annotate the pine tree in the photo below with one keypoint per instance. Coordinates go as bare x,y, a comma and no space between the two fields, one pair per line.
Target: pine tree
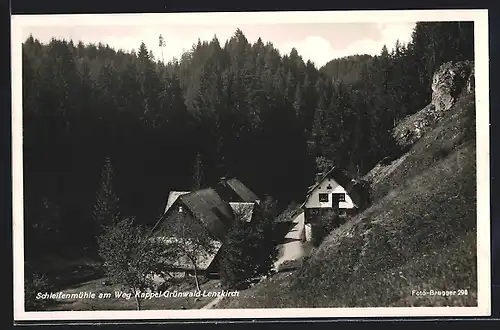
249,251
265,237
234,263
197,172
161,43
106,208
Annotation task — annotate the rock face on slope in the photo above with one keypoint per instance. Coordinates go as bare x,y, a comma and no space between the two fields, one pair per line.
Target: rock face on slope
450,81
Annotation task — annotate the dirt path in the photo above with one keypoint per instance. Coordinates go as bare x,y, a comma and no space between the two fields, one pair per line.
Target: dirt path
292,248
214,302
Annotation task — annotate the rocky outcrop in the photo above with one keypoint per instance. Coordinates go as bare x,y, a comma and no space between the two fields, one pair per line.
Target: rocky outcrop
450,81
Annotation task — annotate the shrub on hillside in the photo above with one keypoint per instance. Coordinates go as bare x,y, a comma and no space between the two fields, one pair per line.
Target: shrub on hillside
363,193
34,282
249,250
131,258
236,265
288,213
324,224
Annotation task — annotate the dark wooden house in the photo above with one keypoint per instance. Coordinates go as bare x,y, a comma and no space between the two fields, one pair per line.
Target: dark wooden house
205,210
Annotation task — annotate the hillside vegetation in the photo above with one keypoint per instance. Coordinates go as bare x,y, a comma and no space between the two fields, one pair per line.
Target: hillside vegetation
419,234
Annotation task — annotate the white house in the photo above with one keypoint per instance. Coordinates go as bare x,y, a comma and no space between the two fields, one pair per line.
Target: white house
333,189
327,194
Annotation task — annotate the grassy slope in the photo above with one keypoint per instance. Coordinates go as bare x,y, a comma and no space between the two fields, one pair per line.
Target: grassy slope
456,127
419,234
63,272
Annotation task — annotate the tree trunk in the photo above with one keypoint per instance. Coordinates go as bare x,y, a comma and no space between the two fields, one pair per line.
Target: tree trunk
196,277
138,303
137,298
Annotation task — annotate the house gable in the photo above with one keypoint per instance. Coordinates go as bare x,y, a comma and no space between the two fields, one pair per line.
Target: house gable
204,207
327,193
244,209
178,211
172,197
210,209
165,230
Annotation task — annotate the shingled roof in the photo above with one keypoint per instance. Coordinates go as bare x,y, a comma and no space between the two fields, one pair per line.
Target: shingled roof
339,175
356,190
215,214
237,188
207,206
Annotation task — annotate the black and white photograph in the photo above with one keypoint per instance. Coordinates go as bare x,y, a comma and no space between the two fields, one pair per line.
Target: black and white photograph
249,165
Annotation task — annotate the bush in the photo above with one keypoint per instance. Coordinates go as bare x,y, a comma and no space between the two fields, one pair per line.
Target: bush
365,192
235,267
249,250
34,283
130,256
323,225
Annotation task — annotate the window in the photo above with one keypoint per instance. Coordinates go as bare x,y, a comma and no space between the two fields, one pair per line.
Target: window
329,187
323,198
180,209
339,197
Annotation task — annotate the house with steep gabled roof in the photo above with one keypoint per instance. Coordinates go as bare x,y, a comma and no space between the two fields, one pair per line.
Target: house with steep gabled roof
204,209
203,206
334,189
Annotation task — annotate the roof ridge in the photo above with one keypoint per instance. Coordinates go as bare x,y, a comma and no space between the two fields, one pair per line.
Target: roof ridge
325,175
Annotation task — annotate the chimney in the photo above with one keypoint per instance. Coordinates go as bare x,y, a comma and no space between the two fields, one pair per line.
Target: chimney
318,176
222,182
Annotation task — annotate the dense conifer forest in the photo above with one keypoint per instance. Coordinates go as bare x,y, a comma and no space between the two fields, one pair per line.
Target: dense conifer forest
346,68
233,109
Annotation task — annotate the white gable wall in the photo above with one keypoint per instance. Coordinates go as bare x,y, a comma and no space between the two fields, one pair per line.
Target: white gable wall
313,200
172,197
